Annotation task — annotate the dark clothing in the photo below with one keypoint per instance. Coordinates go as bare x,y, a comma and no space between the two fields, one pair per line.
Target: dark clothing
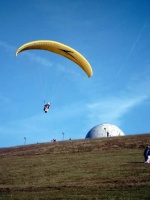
46,107
146,153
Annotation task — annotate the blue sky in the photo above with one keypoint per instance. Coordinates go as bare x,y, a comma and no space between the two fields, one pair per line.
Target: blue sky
113,35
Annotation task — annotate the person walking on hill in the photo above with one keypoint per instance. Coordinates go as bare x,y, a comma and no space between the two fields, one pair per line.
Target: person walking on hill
148,159
146,153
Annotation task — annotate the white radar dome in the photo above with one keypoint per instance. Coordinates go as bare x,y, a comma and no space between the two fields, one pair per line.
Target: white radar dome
104,130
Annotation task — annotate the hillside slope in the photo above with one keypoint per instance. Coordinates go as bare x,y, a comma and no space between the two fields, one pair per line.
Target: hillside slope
108,168
87,145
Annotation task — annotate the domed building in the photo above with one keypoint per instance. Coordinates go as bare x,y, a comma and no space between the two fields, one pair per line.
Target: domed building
104,130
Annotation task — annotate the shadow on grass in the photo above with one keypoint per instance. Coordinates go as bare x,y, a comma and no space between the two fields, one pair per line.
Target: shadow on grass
136,163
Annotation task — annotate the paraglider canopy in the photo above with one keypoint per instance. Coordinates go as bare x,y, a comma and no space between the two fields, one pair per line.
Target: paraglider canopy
60,49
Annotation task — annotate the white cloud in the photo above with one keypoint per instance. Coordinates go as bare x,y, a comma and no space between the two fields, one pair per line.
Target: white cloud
38,59
35,127
44,62
43,127
113,109
7,46
60,68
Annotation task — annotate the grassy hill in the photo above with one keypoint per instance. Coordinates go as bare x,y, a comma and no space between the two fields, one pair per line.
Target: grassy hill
109,168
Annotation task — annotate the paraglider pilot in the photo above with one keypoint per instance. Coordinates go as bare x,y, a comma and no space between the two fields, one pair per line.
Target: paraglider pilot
46,107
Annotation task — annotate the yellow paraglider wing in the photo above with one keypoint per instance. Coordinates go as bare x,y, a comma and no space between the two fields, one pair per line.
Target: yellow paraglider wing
60,49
